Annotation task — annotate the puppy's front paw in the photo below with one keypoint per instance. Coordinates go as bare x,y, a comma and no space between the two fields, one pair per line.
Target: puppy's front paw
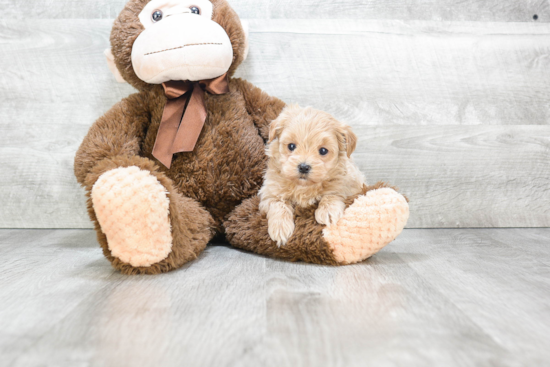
280,229
329,212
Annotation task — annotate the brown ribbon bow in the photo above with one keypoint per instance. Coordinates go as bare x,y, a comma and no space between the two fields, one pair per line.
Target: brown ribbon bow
180,127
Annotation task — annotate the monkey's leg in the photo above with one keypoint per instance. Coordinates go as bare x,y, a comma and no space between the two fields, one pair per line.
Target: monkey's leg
370,221
143,224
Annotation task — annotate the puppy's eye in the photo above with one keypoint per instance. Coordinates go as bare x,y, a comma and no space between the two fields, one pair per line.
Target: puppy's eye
323,151
195,10
291,146
156,16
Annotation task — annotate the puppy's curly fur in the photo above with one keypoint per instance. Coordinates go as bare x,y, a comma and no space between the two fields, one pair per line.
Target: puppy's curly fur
309,162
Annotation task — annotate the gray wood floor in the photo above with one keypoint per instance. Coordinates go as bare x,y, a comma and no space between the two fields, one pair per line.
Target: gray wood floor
459,297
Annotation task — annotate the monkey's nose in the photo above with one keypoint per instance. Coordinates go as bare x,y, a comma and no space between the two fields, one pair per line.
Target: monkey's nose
304,168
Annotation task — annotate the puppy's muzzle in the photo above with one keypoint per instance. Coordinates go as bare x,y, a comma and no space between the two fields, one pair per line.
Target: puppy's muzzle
304,168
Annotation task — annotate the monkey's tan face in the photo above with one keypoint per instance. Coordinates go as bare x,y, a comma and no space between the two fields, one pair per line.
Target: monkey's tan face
180,42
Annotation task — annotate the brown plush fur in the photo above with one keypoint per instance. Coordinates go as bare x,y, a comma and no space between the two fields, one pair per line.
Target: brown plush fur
247,229
205,185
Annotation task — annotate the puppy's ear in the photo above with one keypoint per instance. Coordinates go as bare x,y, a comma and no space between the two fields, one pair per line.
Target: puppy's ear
275,128
286,115
350,139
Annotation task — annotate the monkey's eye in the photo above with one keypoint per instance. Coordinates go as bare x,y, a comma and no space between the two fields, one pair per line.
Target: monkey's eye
156,16
291,146
195,10
323,151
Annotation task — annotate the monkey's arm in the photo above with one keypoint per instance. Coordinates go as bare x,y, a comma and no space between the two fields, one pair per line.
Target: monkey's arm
261,106
117,135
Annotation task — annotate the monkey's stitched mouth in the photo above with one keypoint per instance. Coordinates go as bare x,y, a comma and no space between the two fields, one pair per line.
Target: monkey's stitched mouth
177,48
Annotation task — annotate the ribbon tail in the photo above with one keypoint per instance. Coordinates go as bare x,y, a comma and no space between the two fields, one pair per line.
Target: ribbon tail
218,85
191,124
170,122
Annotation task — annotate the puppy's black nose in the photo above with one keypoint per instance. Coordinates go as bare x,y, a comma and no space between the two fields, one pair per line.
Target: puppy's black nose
304,168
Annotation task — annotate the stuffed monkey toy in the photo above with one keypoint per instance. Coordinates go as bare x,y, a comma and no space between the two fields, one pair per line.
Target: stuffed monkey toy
181,161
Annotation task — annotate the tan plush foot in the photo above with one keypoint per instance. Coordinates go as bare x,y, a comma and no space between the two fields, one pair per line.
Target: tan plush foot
132,208
370,223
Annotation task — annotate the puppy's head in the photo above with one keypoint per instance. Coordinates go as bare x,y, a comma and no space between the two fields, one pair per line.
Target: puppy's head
309,146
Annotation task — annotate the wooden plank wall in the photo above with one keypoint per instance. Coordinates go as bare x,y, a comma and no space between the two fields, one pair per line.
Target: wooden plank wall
438,10
450,99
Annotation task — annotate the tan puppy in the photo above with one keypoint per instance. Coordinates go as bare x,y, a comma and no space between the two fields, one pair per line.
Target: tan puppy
309,161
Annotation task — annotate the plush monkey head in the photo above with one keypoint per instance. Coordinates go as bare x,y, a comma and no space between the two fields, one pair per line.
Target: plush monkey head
155,41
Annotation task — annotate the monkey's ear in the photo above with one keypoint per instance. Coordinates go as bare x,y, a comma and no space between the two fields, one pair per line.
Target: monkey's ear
246,35
112,66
